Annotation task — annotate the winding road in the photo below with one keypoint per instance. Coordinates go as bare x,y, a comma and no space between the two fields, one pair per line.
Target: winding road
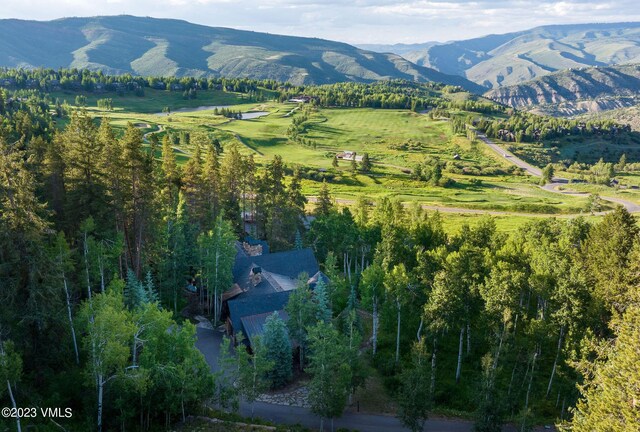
557,182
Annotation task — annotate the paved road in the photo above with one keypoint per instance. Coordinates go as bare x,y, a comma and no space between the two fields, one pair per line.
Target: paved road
537,172
557,182
281,414
208,342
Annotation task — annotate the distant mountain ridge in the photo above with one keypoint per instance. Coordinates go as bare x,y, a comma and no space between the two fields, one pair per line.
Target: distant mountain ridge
575,91
506,59
163,47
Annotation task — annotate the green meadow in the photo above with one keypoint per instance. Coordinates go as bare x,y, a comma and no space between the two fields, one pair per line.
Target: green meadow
396,140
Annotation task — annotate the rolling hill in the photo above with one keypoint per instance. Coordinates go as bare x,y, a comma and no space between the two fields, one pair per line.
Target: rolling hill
163,47
507,59
575,91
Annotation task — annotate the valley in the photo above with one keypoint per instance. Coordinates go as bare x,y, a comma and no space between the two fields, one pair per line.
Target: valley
395,140
207,228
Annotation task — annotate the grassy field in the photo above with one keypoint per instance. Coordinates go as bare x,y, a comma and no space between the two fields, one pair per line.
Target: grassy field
395,140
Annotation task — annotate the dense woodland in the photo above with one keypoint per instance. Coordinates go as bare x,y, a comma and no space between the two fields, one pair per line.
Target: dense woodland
396,94
98,239
525,127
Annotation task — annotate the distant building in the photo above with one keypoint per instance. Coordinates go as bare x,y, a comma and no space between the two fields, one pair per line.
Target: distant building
349,155
301,99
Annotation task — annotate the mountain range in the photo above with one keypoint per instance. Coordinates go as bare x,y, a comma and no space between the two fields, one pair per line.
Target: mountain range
163,47
575,91
505,59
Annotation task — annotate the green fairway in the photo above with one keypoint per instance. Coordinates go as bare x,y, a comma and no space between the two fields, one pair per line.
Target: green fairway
396,140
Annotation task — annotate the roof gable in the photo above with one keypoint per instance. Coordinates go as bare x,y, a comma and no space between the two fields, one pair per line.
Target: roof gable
289,263
254,305
253,325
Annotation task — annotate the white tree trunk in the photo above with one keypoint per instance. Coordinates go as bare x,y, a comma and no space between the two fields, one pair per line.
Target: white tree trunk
526,401
398,333
100,392
459,366
433,367
101,267
86,265
215,294
494,366
555,362
375,325
73,330
13,402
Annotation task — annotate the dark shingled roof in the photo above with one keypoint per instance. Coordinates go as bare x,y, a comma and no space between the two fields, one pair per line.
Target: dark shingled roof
319,276
253,325
246,306
290,263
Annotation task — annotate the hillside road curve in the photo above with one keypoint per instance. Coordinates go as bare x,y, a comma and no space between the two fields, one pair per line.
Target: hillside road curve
557,182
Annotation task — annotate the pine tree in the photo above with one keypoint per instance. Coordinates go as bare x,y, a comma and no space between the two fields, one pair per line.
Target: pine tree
149,287
324,203
211,186
84,176
297,243
610,398
138,197
192,183
277,348
302,315
324,313
171,176
365,165
135,294
231,187
112,164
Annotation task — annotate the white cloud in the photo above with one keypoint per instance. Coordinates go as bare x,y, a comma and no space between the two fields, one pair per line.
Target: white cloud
355,21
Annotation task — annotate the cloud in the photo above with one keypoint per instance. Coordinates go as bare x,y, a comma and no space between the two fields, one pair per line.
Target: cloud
354,21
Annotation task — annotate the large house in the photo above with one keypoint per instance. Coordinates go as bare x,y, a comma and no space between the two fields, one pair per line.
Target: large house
262,285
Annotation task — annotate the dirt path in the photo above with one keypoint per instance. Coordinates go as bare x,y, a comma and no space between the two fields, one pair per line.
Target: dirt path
145,137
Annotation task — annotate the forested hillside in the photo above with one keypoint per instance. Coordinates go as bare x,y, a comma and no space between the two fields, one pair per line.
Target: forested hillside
148,46
101,231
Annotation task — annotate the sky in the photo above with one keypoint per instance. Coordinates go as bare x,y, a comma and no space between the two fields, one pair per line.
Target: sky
354,21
